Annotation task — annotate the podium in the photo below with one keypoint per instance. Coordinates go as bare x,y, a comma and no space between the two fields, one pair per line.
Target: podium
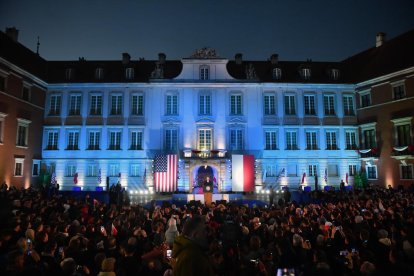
208,193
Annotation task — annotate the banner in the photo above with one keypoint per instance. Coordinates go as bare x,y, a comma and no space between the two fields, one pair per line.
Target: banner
165,173
243,173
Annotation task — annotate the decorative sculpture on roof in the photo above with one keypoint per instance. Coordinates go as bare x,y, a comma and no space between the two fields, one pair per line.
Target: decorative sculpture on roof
250,72
204,53
158,72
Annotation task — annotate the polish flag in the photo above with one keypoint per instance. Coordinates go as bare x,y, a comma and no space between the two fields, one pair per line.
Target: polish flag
303,177
75,178
114,231
243,173
346,178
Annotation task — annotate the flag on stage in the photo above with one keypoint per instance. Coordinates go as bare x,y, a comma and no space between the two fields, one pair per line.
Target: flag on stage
346,178
53,180
75,178
165,173
145,177
99,176
264,176
326,175
303,177
243,173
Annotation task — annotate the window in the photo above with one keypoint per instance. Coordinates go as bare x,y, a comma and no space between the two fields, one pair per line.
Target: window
172,105
18,166
116,105
135,170
92,170
204,104
22,132
70,170
269,104
36,168
350,140
204,72
306,73
406,171
236,105
55,102
291,140
96,105
137,105
2,122
94,140
99,73
26,93
372,172
276,73
329,104
73,140
352,170
115,140
129,73
365,100
403,135
69,74
311,140
114,170
398,92
171,139
270,170
204,139
290,108
271,140
75,104
334,74
369,138
309,101
2,83
52,140
312,170
136,140
348,105
331,143
236,139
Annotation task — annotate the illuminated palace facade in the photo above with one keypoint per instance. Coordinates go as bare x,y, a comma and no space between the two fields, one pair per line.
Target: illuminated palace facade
105,121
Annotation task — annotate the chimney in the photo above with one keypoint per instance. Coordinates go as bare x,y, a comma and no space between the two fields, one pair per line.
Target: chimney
161,58
13,33
238,58
274,59
380,39
126,58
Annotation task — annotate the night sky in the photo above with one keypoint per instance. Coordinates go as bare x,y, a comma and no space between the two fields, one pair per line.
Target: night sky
323,30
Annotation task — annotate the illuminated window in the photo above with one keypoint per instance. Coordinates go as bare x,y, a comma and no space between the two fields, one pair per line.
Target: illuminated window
113,170
306,73
365,99
18,166
204,72
372,172
352,170
171,107
22,132
75,104
290,106
115,140
94,139
331,140
137,104
52,139
312,170
329,104
402,131
136,140
129,73
135,170
348,105
70,170
291,140
236,104
205,139
369,137
92,170
55,104
350,140
276,73
334,74
36,167
271,140
309,104
69,74
73,140
269,102
311,140
116,104
236,139
95,105
205,103
171,139
99,73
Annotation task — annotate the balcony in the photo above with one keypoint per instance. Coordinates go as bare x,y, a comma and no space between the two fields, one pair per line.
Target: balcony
332,147
367,154
312,147
403,152
205,154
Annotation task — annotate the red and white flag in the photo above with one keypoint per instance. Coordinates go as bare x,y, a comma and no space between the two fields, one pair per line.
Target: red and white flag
346,178
165,172
303,177
114,231
75,178
243,173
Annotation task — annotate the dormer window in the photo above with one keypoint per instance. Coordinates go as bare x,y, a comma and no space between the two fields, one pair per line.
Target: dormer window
334,74
276,73
129,73
69,73
306,73
204,72
99,73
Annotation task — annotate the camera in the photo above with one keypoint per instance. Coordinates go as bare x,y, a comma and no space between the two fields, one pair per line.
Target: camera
169,253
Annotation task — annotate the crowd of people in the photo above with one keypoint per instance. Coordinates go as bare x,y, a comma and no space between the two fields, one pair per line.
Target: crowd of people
359,232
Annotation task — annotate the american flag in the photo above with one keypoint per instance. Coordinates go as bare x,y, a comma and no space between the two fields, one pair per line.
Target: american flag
325,177
99,176
53,179
165,173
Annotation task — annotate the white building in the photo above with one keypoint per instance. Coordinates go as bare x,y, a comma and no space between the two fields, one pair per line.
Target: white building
109,119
